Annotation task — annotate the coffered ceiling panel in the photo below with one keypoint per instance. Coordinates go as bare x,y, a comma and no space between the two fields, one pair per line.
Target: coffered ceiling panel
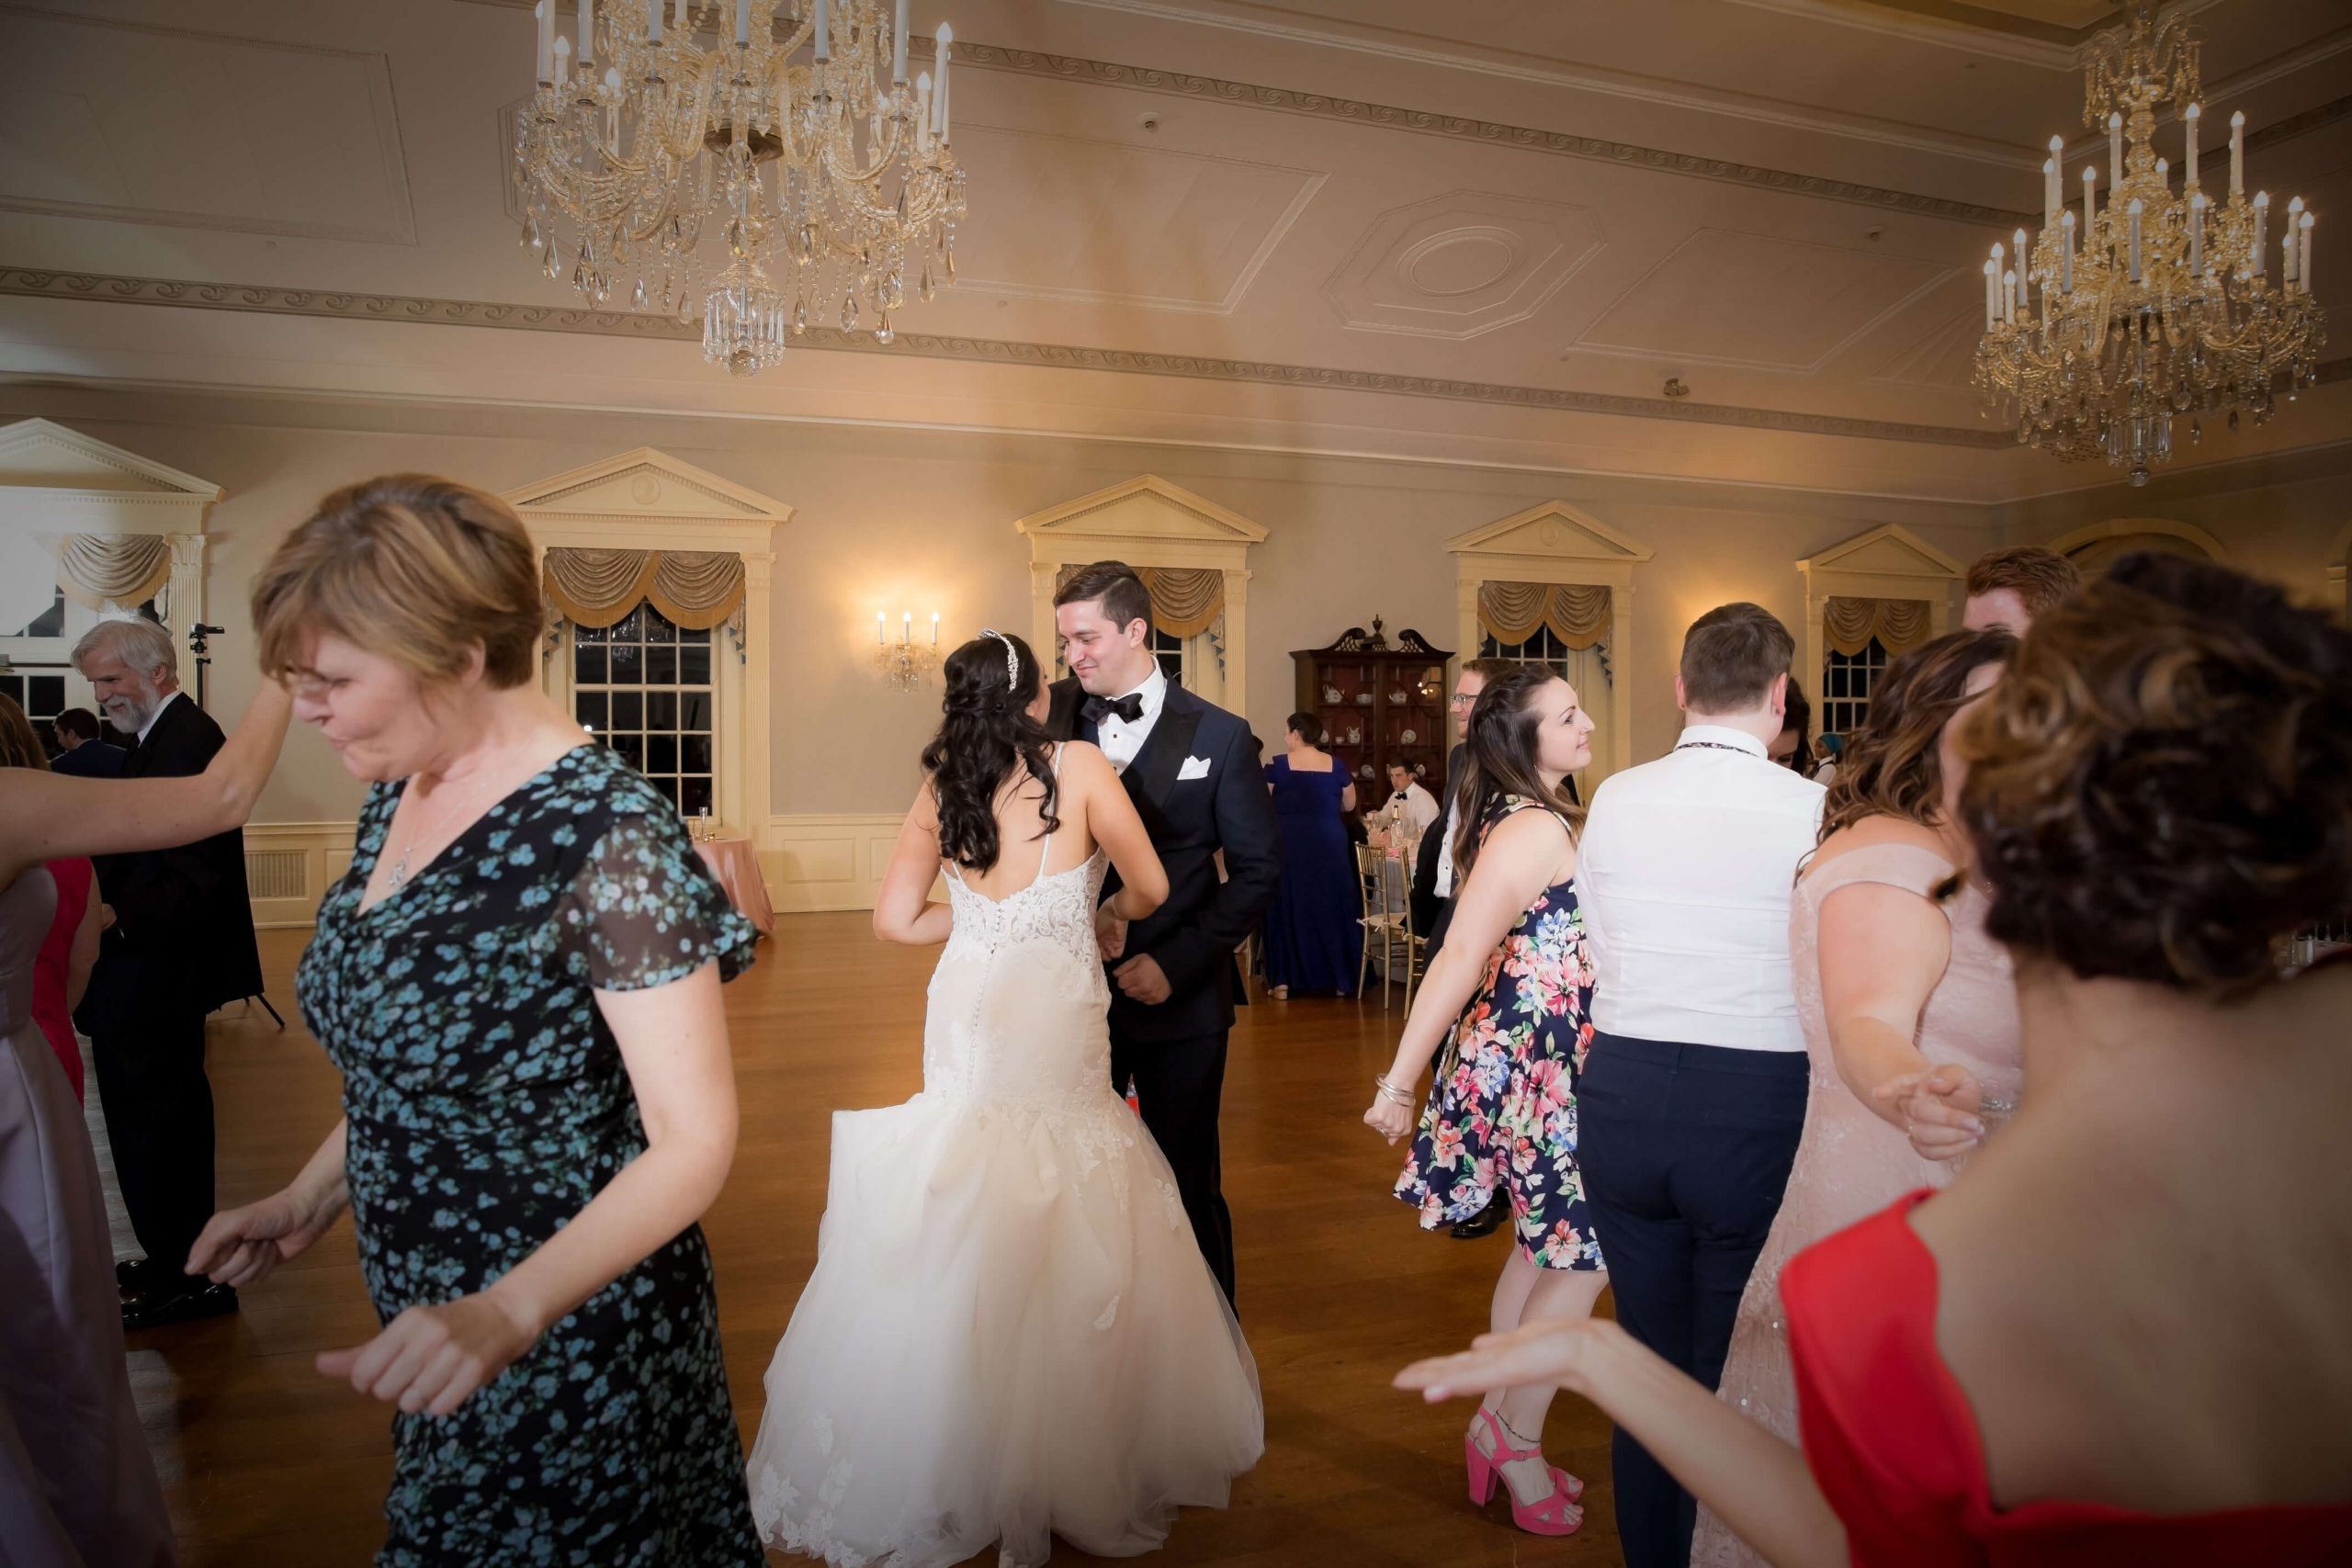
1066,218
150,124
1722,298
1937,350
1461,264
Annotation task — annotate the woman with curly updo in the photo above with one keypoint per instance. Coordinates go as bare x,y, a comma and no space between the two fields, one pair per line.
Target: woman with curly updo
2118,1337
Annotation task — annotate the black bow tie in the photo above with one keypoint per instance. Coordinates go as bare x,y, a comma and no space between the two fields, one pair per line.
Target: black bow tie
1129,708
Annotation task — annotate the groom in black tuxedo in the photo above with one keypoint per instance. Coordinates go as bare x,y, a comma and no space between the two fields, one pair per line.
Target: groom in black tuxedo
1193,770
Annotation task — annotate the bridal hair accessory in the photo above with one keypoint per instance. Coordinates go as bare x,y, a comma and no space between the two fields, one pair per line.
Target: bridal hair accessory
1012,659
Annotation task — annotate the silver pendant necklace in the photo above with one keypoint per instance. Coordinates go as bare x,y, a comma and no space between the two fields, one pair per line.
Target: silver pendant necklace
399,876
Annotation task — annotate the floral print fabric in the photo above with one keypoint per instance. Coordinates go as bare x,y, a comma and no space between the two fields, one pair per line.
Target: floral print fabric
487,1104
1502,1107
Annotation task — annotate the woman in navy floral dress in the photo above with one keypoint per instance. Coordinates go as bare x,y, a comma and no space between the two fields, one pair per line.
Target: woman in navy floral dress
1508,998
519,978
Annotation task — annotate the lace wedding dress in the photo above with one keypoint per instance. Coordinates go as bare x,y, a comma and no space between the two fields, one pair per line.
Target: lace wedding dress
1011,1332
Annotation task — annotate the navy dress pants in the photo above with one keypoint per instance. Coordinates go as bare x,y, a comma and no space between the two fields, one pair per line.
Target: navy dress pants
1686,1151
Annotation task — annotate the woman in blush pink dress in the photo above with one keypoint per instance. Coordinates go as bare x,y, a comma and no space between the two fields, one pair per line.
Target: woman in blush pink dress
1893,979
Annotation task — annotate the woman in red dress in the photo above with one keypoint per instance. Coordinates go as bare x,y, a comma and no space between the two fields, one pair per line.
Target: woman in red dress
2118,1337
71,947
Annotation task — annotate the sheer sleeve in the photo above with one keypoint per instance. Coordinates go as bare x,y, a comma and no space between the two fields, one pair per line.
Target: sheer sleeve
643,910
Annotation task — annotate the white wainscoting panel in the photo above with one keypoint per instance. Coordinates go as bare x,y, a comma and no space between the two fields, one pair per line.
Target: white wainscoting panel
290,866
810,864
830,861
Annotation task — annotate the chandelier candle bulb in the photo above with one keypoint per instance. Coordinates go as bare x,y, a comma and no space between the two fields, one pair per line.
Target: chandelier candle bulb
2090,209
2261,222
2303,259
899,48
1992,304
2052,197
2066,252
587,33
742,24
2009,297
654,23
878,638
2287,248
545,12
2237,153
2188,119
2134,210
2115,149
2164,174
562,58
823,33
934,629
946,37
2196,235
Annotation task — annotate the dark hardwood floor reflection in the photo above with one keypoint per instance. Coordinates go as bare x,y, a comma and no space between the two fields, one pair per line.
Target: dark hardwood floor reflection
267,1462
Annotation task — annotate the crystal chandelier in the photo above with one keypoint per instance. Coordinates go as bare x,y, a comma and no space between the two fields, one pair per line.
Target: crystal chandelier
786,136
2157,303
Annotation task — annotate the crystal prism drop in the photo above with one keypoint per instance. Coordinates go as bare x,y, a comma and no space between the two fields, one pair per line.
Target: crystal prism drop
885,333
849,312
799,317
637,298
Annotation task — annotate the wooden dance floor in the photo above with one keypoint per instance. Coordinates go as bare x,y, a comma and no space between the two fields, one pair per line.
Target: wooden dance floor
267,1462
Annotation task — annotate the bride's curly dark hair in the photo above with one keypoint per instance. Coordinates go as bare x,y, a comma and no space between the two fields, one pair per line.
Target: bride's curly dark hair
985,734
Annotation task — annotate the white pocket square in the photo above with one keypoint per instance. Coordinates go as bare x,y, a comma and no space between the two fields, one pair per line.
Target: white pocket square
1194,767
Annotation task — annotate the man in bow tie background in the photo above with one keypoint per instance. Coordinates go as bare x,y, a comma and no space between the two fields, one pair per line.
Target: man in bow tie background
1192,769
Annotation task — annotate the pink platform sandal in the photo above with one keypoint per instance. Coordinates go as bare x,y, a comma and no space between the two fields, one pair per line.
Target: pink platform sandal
1548,1514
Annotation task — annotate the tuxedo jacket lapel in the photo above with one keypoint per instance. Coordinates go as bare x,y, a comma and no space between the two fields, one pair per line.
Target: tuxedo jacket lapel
1165,749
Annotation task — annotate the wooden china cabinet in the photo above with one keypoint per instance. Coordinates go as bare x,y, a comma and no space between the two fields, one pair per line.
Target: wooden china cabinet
1379,701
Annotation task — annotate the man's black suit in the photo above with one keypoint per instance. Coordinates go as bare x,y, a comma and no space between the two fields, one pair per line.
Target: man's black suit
1174,1051
182,944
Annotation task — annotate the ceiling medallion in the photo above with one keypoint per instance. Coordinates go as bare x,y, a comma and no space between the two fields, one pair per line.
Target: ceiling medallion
2158,303
826,177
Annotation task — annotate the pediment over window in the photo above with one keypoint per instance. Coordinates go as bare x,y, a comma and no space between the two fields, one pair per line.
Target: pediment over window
1180,528
1553,531
648,484
1888,550
39,454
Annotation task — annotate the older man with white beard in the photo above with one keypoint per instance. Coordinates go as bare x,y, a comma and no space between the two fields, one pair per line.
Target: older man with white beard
181,944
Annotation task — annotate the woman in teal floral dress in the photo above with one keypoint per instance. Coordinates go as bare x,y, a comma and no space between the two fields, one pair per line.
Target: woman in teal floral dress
1507,999
519,979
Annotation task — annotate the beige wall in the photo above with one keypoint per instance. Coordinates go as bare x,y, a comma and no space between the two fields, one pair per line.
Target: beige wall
2277,519
919,520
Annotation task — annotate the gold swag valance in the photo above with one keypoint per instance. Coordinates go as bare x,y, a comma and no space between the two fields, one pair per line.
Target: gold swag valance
696,589
1577,612
128,569
1185,600
1900,624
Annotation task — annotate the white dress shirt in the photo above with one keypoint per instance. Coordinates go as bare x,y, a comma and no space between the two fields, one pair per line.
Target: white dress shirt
169,698
1413,808
1683,873
1121,740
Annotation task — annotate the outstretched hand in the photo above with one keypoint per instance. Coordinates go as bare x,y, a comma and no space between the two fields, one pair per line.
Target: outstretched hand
432,1358
1551,1354
240,1247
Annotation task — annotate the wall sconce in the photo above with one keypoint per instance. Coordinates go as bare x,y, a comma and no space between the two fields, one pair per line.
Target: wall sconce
904,663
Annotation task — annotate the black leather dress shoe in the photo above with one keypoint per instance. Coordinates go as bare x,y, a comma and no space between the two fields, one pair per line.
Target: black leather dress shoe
1485,1222
200,1297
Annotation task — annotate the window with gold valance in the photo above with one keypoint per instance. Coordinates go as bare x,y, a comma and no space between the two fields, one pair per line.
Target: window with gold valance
1849,626
1577,614
1185,600
695,589
97,569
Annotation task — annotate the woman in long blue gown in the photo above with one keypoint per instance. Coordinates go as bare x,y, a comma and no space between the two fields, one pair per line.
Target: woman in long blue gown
1311,935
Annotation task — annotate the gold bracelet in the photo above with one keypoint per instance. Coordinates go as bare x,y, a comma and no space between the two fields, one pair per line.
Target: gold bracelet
1389,1090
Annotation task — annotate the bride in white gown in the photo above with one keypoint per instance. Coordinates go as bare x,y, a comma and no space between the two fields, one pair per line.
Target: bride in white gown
1011,1332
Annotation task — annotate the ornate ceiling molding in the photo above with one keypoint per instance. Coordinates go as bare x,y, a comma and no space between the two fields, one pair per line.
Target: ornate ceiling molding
37,283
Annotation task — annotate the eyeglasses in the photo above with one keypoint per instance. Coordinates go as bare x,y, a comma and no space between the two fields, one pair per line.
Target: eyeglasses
1461,700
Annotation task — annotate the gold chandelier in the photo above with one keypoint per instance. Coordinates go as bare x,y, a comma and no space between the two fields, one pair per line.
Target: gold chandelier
829,181
2160,303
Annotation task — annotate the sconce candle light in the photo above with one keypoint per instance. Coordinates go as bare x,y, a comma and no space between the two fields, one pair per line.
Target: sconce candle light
905,664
